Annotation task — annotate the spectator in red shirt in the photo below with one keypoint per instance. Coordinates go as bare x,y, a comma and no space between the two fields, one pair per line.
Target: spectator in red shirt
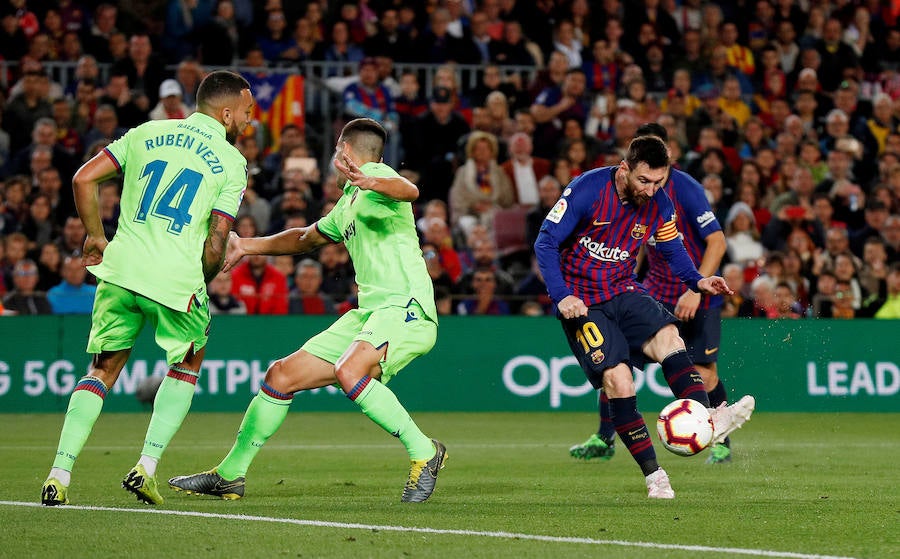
307,297
261,287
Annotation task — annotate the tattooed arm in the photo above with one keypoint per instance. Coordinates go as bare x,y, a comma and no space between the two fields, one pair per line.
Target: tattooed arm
214,247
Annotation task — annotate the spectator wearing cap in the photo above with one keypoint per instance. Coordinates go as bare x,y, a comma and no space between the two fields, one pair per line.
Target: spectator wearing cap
742,235
708,114
431,150
170,104
23,299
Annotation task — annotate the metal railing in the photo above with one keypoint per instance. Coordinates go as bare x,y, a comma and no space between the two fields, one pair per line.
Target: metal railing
322,86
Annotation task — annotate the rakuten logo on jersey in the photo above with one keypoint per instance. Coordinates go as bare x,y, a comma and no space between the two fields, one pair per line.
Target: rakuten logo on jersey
602,252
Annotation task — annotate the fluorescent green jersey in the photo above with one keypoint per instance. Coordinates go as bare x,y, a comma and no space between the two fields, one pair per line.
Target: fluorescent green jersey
177,172
380,234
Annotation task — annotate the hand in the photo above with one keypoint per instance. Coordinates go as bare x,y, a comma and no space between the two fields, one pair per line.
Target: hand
686,308
351,170
233,252
92,253
714,285
572,306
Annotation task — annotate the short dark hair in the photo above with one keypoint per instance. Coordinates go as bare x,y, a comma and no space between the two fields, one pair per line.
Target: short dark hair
647,149
218,85
653,129
366,135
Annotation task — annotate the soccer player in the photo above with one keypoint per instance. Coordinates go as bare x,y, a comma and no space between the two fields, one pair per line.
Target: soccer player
396,320
700,316
586,251
182,188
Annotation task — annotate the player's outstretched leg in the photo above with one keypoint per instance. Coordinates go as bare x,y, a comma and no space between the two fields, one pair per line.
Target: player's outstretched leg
727,419
427,456
264,416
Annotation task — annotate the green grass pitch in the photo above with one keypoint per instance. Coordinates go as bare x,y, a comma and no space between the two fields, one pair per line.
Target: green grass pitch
329,484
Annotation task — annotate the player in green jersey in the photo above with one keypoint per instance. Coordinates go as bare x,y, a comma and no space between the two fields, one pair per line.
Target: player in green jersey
396,320
183,183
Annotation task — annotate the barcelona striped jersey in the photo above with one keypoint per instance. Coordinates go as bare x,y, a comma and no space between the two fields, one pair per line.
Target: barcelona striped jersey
590,239
696,221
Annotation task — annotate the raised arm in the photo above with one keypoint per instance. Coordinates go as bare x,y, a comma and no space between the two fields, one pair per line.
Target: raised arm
85,185
397,188
290,241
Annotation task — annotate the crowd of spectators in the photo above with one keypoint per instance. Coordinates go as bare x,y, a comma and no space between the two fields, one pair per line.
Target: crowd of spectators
785,111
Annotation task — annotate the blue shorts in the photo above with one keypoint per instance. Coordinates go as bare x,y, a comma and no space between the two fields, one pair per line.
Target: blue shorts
702,334
613,332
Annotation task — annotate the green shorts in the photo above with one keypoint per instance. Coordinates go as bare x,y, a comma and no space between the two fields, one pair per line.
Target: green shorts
406,331
120,314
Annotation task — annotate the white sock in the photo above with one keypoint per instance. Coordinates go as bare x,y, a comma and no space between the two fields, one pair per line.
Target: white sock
149,463
64,476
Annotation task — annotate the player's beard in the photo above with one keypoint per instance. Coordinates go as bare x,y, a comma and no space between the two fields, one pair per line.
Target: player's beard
232,133
632,196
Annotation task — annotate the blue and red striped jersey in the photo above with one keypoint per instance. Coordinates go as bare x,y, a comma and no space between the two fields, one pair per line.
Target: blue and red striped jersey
589,241
695,221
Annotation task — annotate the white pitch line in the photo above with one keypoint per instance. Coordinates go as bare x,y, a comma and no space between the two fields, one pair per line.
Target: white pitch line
443,531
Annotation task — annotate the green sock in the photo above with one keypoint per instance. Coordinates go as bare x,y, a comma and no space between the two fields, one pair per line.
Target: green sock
264,416
84,408
171,405
380,404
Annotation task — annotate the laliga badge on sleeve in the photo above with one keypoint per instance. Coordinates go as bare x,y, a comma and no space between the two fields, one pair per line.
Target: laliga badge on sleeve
558,211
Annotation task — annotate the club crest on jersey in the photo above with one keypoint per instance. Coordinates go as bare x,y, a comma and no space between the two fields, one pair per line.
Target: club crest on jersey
639,231
559,210
597,357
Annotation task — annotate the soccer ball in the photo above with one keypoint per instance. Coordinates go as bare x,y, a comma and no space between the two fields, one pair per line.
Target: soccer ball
685,427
